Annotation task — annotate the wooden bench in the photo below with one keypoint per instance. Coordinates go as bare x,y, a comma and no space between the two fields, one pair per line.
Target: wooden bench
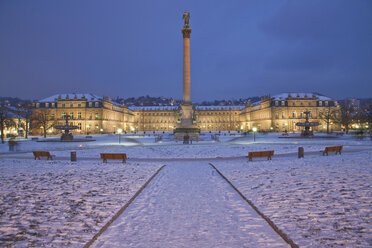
106,156
267,154
336,149
38,154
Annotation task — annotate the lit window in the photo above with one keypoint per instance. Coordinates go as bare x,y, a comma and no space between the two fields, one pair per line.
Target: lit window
71,115
90,116
52,117
294,114
79,115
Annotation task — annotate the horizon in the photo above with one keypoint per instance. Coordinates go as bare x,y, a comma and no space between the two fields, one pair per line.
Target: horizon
132,49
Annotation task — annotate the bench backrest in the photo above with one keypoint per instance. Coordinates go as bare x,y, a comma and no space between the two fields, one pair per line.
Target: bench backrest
333,148
113,155
41,154
261,154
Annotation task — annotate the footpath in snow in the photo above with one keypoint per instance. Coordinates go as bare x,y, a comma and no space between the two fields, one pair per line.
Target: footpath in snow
189,205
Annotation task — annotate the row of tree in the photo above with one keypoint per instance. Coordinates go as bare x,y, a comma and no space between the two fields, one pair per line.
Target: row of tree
347,117
10,115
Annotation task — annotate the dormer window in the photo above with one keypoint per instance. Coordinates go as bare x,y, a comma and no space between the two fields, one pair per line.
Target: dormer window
47,104
320,103
90,104
96,104
276,103
326,103
37,105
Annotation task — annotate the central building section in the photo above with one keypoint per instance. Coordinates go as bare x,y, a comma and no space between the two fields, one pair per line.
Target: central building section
186,127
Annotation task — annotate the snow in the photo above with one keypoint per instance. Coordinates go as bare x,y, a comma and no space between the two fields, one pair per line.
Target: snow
200,210
56,203
318,201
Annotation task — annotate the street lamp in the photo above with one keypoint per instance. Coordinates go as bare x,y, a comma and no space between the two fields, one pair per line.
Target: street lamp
119,133
254,129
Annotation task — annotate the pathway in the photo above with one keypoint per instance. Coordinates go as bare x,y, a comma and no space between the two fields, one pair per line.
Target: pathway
189,205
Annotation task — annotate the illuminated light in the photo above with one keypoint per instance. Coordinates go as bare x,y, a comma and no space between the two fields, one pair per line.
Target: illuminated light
101,130
120,130
80,145
132,128
254,129
356,126
271,128
50,131
366,126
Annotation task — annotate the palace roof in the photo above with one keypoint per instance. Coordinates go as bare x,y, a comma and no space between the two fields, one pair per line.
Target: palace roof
88,96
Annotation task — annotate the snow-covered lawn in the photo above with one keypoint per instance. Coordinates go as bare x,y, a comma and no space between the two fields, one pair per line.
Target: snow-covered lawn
318,201
56,203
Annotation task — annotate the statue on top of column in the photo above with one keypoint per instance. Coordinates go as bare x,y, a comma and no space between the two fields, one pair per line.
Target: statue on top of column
186,16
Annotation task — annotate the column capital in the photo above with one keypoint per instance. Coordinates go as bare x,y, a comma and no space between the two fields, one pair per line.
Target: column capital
186,32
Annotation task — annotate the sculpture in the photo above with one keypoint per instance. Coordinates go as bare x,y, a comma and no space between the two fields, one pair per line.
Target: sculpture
186,17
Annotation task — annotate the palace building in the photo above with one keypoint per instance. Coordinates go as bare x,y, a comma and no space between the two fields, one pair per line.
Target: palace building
94,114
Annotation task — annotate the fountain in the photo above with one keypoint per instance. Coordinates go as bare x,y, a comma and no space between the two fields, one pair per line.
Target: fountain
306,132
66,136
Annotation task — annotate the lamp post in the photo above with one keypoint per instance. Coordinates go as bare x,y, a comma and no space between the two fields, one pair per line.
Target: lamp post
119,133
254,129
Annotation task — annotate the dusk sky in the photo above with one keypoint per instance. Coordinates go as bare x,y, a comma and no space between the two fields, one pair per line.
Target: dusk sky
133,48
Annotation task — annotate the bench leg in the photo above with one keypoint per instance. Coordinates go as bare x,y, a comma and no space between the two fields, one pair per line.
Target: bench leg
269,158
105,160
124,161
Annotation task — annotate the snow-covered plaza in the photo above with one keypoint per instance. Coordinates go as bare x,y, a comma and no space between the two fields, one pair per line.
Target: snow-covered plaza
315,201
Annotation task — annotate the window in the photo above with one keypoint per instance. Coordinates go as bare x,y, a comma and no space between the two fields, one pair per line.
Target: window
283,115
53,104
276,115
79,126
294,114
310,104
96,116
276,103
46,117
52,116
326,103
63,115
294,104
302,104
79,115
47,105
320,103
90,104
283,103
71,115
97,104
90,115
71,105
79,105
37,105
63,105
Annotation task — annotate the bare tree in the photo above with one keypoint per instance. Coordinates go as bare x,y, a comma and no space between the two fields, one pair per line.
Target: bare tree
5,121
346,117
366,117
26,113
41,120
329,116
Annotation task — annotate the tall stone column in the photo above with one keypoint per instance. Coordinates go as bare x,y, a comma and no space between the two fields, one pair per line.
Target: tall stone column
186,127
186,31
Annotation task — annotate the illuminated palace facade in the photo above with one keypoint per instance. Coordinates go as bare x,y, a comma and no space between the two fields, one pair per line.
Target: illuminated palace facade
94,114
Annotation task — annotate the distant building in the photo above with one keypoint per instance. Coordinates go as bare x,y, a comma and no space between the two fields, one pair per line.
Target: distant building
352,103
95,114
